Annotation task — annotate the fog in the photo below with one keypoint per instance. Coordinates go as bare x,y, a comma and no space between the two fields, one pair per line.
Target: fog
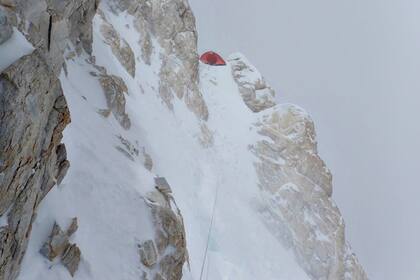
355,66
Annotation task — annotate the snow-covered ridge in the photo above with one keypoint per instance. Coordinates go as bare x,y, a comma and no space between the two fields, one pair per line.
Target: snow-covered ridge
296,188
142,107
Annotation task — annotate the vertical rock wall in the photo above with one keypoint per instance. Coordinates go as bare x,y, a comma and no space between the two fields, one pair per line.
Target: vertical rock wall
295,184
33,113
296,187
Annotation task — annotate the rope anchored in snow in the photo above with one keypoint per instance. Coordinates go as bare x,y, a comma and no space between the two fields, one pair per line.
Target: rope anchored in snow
209,233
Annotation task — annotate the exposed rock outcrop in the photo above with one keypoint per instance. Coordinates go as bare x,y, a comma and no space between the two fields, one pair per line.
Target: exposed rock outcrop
170,240
256,93
115,89
296,188
172,25
58,241
71,258
51,24
120,48
33,115
58,245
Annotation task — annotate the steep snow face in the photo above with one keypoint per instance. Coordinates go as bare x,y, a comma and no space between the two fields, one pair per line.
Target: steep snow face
202,137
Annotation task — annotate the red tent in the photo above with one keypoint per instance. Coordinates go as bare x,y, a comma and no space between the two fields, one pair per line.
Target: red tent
212,58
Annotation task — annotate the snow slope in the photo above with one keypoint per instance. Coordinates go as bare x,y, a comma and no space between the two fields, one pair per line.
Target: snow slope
13,49
104,188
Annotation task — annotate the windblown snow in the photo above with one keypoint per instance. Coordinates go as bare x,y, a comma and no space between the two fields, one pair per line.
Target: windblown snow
204,165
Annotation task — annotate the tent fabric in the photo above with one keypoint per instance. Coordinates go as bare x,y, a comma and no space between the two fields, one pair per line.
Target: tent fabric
212,58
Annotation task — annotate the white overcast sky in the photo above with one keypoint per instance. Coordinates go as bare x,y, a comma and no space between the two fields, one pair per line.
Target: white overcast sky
355,66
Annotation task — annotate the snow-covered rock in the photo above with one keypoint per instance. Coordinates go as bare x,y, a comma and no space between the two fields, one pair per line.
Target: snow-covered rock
169,238
296,187
172,25
120,47
255,197
256,93
115,90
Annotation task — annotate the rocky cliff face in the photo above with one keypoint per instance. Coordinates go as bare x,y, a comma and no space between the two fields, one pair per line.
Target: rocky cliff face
34,110
172,25
295,184
33,115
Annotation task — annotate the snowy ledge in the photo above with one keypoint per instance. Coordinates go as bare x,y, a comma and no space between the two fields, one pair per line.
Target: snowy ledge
13,49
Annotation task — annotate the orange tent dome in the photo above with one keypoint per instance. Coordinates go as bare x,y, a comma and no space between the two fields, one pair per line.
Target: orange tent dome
212,58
